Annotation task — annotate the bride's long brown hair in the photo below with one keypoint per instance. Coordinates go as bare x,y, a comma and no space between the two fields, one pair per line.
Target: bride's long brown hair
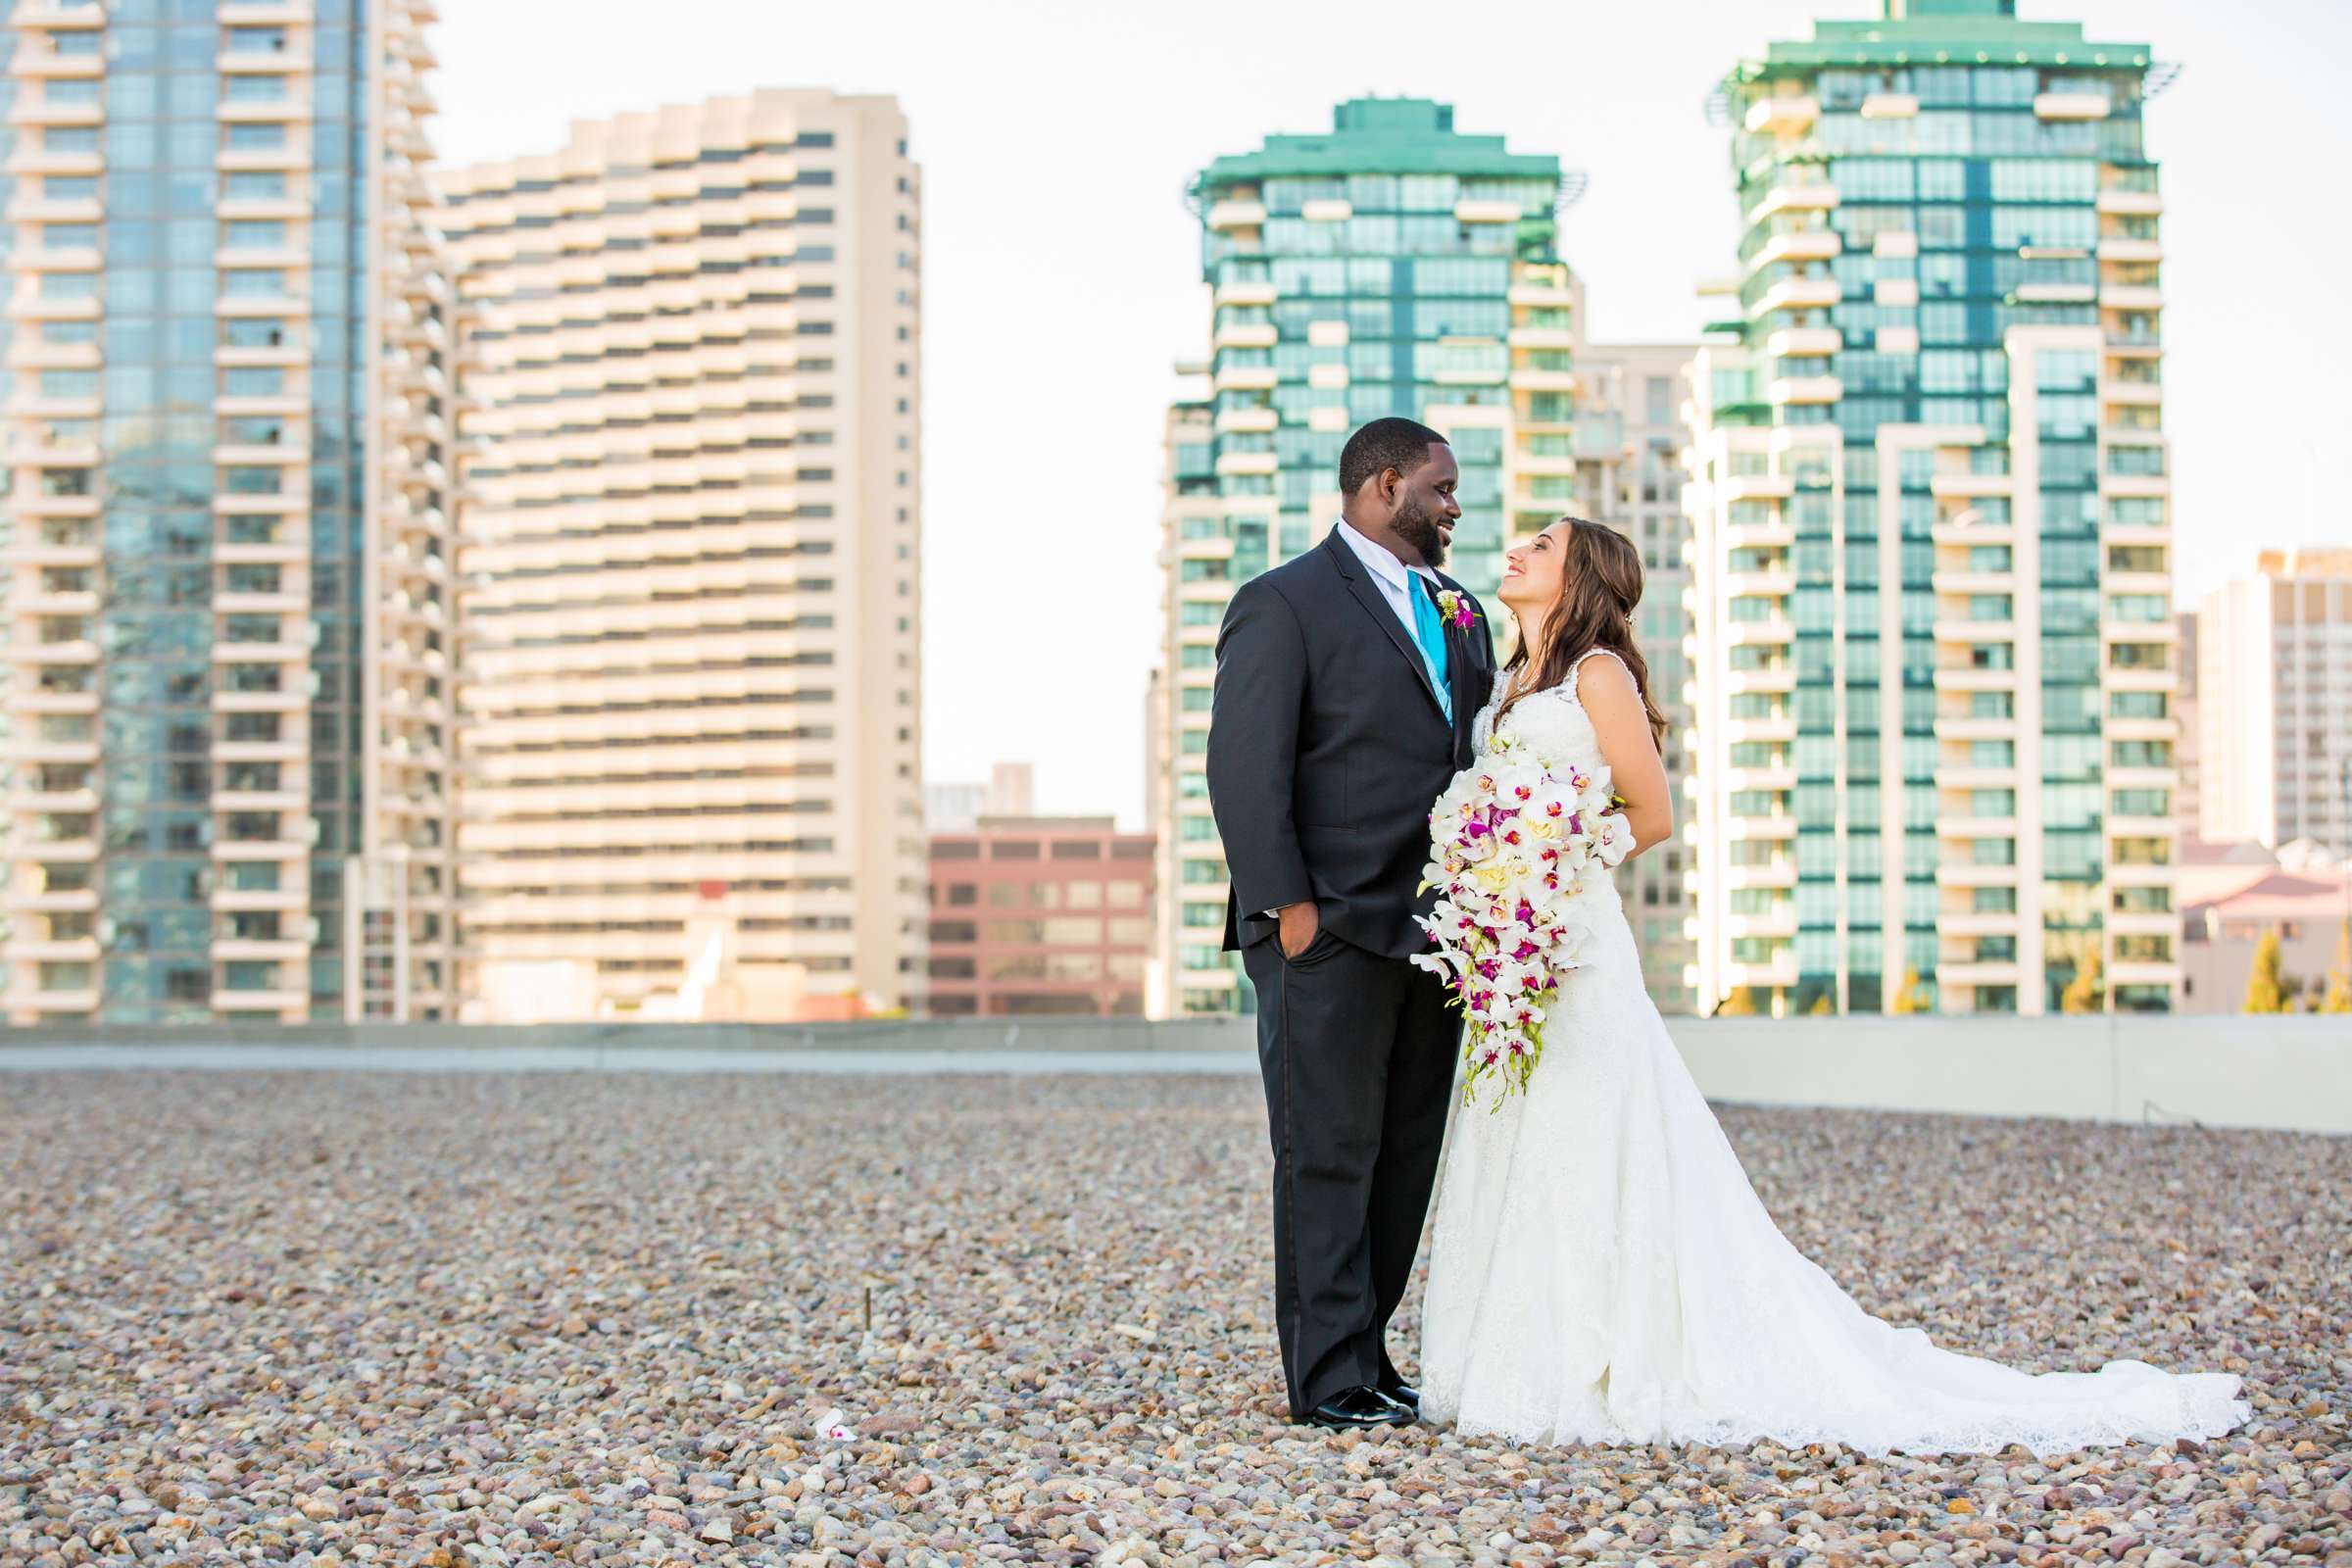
1601,583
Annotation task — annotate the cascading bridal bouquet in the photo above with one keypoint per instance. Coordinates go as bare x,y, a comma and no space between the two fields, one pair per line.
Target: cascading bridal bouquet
1511,842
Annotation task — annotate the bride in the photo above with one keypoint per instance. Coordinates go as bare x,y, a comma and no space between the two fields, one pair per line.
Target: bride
1601,1272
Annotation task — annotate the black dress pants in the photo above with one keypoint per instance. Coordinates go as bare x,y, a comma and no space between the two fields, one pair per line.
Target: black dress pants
1358,1053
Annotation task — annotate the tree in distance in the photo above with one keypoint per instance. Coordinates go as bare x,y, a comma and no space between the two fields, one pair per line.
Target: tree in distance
2266,985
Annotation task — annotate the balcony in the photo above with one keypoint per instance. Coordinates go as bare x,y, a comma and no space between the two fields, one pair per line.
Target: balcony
1963,921
1533,294
1778,972
71,651
1773,777
30,1001
1756,486
1804,340
1782,116
1796,294
1958,629
1800,245
253,948
1969,679
1236,214
1523,379
276,1001
1246,378
1962,581
1964,726
1965,776
1737,730
1816,197
1778,925
1804,389
45,949
2002,972
2130,297
1778,874
1779,681
1240,294
1965,875
1245,335
280,848
1771,632
2071,106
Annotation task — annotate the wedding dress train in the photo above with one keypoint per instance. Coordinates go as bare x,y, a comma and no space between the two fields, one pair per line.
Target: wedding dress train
1602,1272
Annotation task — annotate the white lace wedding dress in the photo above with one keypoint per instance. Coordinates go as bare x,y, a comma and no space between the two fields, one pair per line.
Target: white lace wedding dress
1602,1272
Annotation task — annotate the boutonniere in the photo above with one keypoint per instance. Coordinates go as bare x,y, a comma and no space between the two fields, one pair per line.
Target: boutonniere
1455,608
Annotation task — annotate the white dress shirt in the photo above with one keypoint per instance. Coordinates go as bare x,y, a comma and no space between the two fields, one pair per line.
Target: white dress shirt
1391,573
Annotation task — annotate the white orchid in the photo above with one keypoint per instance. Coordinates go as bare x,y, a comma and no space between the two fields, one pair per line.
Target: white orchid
1511,842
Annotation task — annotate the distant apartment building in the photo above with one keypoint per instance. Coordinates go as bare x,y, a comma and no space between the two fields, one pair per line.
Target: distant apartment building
1010,790
2274,668
692,562
1039,915
1389,266
1629,398
2188,800
225,703
1934,537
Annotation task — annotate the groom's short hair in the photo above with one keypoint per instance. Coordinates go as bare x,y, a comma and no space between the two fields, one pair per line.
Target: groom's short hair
1392,443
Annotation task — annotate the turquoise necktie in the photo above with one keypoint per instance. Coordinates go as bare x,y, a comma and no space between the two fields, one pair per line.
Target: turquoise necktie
1430,627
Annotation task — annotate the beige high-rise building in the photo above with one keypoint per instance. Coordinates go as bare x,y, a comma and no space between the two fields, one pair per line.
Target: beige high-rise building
692,525
2275,672
226,720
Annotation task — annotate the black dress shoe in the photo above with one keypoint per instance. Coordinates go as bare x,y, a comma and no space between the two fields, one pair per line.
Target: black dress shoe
1403,1394
1359,1407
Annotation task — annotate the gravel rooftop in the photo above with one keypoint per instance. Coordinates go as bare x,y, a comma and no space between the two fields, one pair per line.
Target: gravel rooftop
519,1319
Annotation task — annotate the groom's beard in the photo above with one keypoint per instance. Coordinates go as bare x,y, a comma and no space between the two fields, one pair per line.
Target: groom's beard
1417,525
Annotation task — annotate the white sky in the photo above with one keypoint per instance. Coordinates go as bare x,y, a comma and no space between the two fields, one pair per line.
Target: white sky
1062,267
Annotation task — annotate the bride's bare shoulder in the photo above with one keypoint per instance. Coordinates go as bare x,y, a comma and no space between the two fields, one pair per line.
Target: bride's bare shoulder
1599,664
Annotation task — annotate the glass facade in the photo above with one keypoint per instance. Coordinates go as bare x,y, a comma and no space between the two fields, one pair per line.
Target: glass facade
195,429
1391,267
1927,493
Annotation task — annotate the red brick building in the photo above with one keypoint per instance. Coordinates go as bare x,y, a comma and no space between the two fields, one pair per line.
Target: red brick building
1039,915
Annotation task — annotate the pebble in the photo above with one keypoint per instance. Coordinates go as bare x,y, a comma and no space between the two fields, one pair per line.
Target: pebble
478,1320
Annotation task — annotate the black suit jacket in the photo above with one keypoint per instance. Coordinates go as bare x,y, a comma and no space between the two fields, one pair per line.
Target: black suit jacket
1327,747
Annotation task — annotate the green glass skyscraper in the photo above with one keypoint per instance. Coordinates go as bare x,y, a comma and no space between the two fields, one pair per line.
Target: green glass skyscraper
1933,546
1391,266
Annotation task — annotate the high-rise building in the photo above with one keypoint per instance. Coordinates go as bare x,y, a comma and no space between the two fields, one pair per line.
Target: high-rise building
1011,790
1933,526
2187,801
1039,915
2275,665
1629,421
1391,266
228,563
692,554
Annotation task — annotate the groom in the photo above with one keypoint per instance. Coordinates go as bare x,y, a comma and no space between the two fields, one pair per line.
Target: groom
1344,700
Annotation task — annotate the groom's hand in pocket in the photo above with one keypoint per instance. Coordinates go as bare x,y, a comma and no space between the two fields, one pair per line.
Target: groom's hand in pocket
1300,923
